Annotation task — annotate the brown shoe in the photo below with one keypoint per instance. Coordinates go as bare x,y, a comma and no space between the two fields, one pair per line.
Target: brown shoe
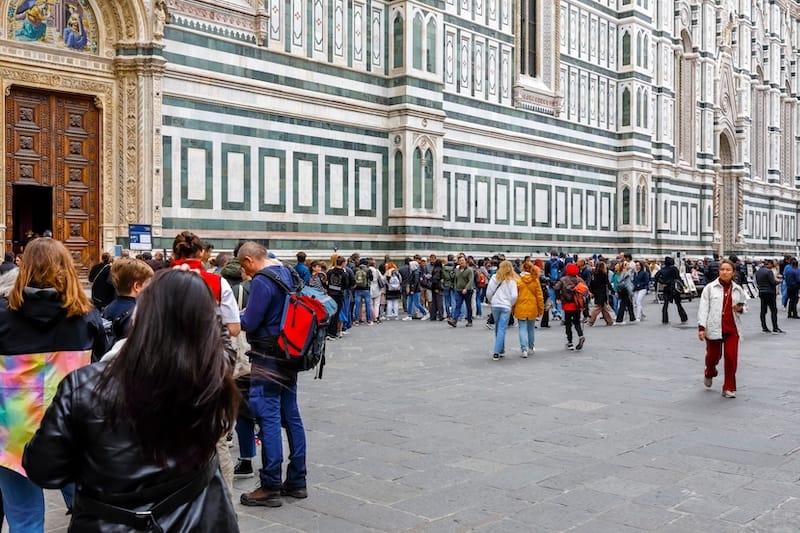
262,497
296,492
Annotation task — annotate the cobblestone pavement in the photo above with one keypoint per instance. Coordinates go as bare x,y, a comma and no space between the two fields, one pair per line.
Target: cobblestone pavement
414,428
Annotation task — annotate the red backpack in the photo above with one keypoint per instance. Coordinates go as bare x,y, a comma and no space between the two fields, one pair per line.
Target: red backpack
304,324
482,281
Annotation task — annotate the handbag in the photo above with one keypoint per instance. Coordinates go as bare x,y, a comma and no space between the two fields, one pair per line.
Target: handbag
180,492
677,286
243,365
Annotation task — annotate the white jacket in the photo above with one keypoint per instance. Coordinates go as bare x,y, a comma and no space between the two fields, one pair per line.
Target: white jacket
502,294
709,315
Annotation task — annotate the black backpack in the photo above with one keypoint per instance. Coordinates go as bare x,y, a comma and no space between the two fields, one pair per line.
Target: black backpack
118,328
336,280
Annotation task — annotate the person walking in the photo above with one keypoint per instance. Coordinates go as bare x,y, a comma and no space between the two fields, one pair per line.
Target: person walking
719,326
792,277
415,309
463,285
529,307
137,435
566,288
273,383
502,295
48,328
600,287
766,283
625,293
641,283
670,277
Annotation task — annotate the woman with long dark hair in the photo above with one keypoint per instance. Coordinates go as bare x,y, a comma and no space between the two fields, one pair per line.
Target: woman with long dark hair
138,434
48,328
600,286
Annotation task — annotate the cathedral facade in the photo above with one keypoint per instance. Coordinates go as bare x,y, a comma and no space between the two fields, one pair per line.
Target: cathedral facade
518,126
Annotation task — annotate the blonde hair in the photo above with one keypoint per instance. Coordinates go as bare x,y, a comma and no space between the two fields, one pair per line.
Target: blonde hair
48,264
505,272
126,271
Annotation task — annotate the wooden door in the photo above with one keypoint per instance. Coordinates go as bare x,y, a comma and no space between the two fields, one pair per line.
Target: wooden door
52,140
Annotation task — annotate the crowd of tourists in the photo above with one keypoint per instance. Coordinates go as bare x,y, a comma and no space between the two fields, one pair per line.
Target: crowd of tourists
136,439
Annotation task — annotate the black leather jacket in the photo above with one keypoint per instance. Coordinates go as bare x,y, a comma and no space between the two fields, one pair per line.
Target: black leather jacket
765,280
77,443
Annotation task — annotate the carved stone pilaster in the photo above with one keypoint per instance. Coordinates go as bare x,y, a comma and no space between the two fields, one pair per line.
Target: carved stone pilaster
138,150
716,208
740,237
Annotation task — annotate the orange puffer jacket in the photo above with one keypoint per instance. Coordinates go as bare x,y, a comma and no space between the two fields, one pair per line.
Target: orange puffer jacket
530,303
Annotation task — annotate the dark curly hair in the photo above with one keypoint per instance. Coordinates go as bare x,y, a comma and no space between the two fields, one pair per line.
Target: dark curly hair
187,245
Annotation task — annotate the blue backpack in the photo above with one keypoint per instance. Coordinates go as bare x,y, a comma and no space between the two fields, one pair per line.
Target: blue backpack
555,268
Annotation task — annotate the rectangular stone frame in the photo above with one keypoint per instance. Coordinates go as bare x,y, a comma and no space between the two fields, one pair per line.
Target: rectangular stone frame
262,180
208,146
238,149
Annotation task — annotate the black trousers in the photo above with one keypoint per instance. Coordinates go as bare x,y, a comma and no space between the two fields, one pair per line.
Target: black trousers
333,325
573,318
671,296
625,304
768,302
437,305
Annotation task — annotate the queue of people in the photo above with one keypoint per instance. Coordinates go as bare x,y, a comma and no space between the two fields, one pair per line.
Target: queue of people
174,416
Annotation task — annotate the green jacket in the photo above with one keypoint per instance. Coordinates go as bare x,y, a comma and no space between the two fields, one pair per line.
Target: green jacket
465,279
448,275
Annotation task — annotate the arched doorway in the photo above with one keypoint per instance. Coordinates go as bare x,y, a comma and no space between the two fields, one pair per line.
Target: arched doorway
728,198
82,119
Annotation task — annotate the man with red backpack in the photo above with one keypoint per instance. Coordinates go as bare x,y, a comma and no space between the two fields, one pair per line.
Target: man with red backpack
273,383
570,290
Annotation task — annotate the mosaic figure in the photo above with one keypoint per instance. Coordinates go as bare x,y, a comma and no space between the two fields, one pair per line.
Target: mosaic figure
67,24
74,34
34,20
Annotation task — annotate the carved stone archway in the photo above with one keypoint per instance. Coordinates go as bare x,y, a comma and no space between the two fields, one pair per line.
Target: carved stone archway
728,198
125,80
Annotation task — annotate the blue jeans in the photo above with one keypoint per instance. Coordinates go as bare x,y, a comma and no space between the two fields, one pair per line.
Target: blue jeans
246,434
414,305
526,334
784,293
501,316
23,502
362,295
449,301
344,315
465,300
556,304
479,293
275,406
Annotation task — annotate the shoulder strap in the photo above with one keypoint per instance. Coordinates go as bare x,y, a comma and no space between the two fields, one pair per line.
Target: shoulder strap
239,295
275,278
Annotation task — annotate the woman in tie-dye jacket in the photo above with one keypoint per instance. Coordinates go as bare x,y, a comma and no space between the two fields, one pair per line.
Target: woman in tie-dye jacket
48,328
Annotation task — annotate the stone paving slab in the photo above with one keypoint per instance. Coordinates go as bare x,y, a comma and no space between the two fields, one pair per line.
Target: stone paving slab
415,429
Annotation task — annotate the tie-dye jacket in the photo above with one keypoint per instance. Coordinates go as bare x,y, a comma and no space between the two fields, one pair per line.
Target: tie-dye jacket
39,346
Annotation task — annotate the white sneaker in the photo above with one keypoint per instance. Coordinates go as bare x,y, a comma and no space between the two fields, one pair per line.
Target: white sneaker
531,350
406,318
524,354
